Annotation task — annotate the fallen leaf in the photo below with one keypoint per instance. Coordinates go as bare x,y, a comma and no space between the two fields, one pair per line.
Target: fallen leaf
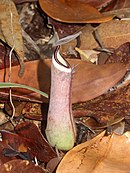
101,154
89,80
100,4
18,108
34,144
33,111
52,164
4,57
11,29
111,38
107,107
65,29
22,166
121,54
121,4
3,158
88,55
73,11
98,80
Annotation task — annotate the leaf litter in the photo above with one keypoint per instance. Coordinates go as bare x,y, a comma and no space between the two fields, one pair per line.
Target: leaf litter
101,100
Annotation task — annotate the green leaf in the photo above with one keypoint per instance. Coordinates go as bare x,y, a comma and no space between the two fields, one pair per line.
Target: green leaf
15,85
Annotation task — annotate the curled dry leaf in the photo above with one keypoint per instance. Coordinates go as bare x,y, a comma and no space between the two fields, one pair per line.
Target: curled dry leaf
89,80
101,154
11,29
73,11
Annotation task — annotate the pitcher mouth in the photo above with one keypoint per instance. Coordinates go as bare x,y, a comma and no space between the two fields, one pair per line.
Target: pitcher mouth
59,62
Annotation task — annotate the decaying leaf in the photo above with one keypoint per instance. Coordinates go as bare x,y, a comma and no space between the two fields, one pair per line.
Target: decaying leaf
119,4
107,107
62,28
22,166
121,54
73,11
100,4
4,57
101,154
11,28
112,34
3,158
34,144
112,38
89,80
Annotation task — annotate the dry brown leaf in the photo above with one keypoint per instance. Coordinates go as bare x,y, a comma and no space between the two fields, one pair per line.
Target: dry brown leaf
112,34
89,80
99,4
107,107
72,11
21,166
11,28
101,154
121,54
119,4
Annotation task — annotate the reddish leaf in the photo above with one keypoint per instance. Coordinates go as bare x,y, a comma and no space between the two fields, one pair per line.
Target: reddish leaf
25,129
121,4
52,164
19,106
73,11
3,158
21,166
99,4
4,57
33,144
33,111
121,54
65,29
106,107
95,80
89,80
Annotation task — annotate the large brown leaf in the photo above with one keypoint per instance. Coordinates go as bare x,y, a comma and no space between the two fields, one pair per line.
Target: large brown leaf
89,80
101,154
72,11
